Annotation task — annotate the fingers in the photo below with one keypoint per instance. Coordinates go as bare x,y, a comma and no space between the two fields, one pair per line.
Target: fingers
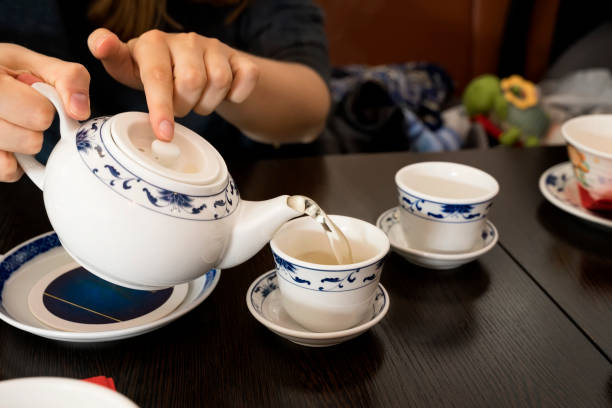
71,80
18,139
220,76
246,75
178,72
24,114
23,106
152,55
28,78
207,72
115,56
189,72
9,168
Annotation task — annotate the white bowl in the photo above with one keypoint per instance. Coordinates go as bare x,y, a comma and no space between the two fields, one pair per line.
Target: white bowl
59,392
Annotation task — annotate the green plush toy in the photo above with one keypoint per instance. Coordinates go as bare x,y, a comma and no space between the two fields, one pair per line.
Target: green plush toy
507,109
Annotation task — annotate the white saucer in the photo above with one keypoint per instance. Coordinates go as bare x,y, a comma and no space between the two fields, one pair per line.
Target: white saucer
59,392
25,265
558,185
389,223
264,303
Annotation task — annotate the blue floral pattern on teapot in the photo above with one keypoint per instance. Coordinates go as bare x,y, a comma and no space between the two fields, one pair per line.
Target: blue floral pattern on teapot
91,145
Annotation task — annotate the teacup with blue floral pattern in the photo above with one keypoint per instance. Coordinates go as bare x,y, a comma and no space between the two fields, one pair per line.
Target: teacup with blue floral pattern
444,205
317,292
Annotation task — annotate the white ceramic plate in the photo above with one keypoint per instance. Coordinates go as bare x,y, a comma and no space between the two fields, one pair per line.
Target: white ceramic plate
558,185
389,222
264,303
59,392
26,264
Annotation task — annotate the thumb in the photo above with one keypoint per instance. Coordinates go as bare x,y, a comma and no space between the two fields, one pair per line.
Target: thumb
115,56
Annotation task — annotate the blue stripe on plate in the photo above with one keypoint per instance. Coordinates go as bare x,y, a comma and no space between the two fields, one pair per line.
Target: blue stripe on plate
22,255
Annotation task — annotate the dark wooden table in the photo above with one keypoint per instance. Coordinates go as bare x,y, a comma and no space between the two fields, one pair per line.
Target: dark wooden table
528,324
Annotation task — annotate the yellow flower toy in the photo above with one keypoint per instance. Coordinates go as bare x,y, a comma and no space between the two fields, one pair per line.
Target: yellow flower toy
507,109
519,92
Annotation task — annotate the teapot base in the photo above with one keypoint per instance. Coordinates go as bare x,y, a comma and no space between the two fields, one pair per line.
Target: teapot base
108,278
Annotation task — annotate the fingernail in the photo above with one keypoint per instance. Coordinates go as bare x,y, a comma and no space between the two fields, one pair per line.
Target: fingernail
166,130
94,43
79,104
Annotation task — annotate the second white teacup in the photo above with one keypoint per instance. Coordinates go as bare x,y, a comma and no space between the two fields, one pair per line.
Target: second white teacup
316,292
589,145
444,205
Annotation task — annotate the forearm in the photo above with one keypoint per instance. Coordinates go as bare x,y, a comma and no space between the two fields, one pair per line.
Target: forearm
289,104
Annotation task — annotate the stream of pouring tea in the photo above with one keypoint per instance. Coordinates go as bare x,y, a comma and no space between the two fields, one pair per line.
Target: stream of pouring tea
338,242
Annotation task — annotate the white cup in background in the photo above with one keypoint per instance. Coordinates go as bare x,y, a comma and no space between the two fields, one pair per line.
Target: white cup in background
444,205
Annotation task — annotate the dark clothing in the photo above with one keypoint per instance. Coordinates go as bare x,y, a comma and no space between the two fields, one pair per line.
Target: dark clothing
285,30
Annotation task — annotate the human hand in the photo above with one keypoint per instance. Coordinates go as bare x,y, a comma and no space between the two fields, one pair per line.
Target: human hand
178,72
25,113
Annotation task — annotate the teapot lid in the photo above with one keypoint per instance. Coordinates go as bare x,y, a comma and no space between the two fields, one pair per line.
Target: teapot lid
189,159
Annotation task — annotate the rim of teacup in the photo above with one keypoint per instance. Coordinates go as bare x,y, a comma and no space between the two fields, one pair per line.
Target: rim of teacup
565,131
493,186
381,252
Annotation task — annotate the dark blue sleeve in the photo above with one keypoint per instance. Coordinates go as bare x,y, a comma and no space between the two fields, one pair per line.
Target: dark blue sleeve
287,30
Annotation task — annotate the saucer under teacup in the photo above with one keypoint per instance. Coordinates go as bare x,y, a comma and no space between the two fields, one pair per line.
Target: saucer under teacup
389,222
264,303
558,184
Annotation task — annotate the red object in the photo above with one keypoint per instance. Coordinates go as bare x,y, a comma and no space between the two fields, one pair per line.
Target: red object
103,381
590,203
487,125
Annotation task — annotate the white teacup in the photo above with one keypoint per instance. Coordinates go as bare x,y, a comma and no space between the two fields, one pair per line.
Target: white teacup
589,146
444,205
320,295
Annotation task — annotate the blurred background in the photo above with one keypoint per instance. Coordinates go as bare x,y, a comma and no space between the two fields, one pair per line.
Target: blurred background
466,37
561,48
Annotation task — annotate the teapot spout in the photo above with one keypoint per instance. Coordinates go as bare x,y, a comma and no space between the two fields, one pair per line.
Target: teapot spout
256,223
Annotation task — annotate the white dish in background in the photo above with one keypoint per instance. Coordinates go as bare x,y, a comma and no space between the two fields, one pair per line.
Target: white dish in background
389,222
264,303
59,392
558,184
26,264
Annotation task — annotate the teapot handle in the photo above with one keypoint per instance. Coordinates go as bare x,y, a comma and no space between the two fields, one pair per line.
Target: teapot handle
68,128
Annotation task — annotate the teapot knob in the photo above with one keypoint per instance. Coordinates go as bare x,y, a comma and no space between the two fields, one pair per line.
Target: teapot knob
165,152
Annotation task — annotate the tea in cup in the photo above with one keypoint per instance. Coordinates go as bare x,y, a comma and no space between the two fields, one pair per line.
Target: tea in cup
316,291
589,146
444,205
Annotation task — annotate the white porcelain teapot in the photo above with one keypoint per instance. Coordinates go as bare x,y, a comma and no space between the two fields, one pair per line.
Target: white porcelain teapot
146,214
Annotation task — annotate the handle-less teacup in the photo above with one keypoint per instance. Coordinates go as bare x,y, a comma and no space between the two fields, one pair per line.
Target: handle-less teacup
589,145
444,205
315,291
